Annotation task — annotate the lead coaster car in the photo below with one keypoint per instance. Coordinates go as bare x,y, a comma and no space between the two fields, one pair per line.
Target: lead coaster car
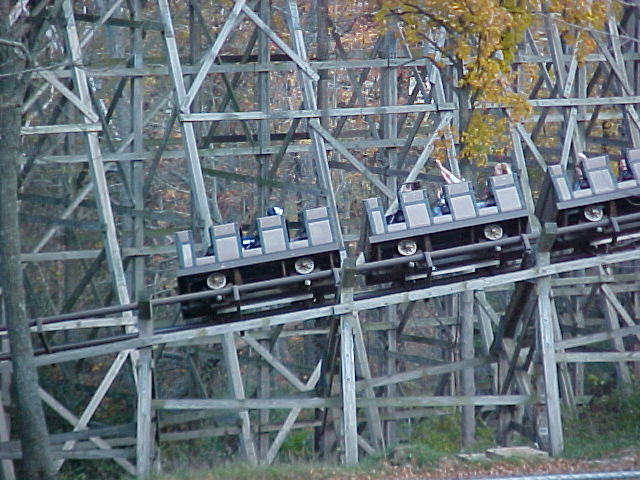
610,206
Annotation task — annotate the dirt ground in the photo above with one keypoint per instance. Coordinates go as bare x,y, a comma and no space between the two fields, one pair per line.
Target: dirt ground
455,468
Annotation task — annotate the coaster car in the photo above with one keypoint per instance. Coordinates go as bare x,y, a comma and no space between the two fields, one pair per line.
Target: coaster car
599,209
274,274
459,236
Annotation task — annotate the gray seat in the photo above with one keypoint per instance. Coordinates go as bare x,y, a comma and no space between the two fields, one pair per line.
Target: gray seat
560,182
375,216
185,248
506,192
318,226
599,174
274,235
461,200
227,244
415,208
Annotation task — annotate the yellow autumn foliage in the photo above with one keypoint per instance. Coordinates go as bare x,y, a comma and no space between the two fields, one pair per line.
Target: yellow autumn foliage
481,44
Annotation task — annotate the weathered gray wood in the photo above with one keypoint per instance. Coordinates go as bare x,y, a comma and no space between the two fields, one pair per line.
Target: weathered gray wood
467,377
598,357
545,345
487,317
210,56
185,337
86,110
199,192
422,372
373,415
391,369
276,364
144,429
73,420
236,388
57,129
96,165
564,374
290,420
613,324
302,402
120,454
597,337
298,55
309,96
348,367
82,422
326,135
617,305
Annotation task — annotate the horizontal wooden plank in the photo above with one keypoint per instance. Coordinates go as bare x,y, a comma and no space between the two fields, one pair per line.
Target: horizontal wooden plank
597,337
597,357
332,112
288,403
65,128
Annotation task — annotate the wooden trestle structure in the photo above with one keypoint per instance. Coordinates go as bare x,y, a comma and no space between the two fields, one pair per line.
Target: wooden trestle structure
152,117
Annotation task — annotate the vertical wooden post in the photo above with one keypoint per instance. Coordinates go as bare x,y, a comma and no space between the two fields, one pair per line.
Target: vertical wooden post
264,373
348,367
373,414
391,390
613,323
467,352
144,434
546,348
348,371
237,390
550,429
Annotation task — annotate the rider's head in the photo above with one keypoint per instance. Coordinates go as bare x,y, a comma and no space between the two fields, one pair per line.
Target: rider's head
409,186
275,210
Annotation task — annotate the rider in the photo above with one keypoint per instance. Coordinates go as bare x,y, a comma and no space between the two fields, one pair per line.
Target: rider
500,168
623,171
253,241
441,207
398,216
580,182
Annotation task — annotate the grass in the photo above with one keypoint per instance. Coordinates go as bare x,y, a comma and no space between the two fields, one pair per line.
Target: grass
606,428
281,471
608,424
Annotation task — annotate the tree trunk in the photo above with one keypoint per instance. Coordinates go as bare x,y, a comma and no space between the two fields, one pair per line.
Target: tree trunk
37,461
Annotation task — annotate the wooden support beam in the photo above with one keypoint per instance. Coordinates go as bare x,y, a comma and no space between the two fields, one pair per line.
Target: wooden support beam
550,396
237,390
73,420
276,364
290,420
373,415
144,413
198,188
348,367
467,377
